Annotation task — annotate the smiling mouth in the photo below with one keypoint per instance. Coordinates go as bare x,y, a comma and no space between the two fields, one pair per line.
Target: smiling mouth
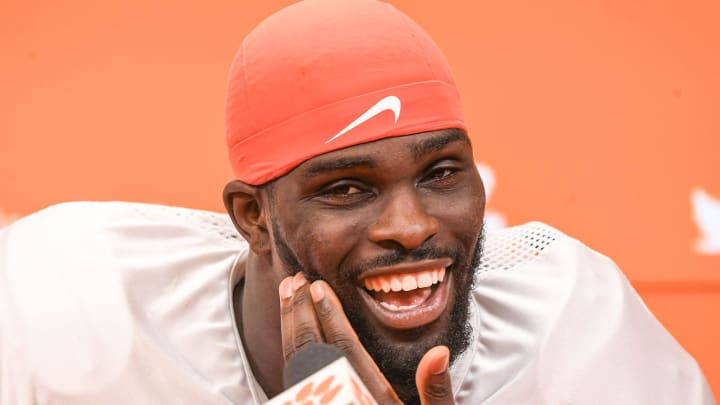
403,291
406,297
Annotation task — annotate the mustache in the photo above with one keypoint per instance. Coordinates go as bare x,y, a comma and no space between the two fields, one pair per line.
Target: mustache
407,256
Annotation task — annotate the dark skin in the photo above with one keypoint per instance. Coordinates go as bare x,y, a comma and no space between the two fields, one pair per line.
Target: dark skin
333,213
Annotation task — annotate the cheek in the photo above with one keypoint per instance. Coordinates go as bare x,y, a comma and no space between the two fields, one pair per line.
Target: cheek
476,211
323,241
474,206
462,213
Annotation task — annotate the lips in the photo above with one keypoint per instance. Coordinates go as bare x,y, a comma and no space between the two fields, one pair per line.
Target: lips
409,295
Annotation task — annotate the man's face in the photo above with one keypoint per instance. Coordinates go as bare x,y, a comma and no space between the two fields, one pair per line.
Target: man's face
394,226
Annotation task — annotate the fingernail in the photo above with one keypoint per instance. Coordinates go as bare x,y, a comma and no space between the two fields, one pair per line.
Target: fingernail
316,292
441,364
285,288
298,281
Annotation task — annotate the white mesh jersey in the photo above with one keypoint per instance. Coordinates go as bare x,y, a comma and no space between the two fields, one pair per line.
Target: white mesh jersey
122,303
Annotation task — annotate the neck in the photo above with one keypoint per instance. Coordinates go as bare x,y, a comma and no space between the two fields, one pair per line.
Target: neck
257,314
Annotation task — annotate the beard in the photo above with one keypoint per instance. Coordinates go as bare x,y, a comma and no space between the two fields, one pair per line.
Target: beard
398,360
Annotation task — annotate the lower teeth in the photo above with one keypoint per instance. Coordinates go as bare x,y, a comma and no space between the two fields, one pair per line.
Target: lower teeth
394,307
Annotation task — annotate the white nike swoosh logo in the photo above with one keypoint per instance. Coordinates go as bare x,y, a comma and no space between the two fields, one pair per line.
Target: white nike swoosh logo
391,103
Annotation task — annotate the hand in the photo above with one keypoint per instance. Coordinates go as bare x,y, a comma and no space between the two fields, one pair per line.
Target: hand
313,314
432,377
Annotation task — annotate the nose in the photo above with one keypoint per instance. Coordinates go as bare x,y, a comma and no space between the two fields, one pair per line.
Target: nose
404,221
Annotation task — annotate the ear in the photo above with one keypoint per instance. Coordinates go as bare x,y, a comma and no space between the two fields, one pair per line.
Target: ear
247,208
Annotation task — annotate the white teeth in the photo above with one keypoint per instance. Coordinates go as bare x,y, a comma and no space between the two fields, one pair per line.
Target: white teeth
424,280
409,283
405,282
394,307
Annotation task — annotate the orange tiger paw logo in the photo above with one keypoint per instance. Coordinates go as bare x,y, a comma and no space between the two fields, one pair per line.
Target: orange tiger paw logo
360,394
320,394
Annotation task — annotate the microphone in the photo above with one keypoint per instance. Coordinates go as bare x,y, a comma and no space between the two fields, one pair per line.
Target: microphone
308,361
320,373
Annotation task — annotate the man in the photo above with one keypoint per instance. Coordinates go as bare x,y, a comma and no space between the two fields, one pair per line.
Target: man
362,210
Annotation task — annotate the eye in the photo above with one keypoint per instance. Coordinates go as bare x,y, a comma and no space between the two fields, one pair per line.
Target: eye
344,194
343,190
441,173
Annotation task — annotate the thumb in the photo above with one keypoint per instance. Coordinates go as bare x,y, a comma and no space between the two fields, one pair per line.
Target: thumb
433,377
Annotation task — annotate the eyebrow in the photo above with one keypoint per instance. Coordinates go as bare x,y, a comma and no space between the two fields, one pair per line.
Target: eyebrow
437,143
317,168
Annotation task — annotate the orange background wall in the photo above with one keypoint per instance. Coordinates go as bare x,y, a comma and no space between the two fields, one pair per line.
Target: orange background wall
599,117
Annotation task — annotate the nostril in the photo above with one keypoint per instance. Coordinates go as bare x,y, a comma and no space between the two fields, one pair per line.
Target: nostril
407,237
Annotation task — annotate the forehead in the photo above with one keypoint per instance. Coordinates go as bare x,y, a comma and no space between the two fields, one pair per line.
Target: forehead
371,154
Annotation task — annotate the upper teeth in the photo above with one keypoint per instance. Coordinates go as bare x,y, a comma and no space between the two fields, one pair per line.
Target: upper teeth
405,282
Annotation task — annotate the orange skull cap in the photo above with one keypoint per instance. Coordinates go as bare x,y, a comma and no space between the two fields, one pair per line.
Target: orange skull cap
322,75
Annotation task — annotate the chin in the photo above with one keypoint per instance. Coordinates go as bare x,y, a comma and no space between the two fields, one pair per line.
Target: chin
398,352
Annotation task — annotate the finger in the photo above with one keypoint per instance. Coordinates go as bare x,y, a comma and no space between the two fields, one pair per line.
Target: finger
338,332
299,324
433,377
286,320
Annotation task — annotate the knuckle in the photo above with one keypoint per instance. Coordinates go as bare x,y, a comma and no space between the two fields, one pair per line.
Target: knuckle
288,350
304,337
437,391
301,298
286,310
325,311
298,300
344,343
